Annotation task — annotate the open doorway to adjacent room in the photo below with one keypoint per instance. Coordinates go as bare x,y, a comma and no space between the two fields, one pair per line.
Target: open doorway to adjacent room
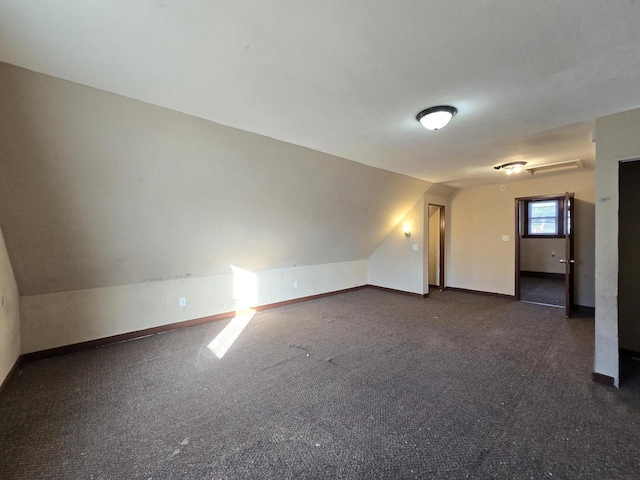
628,267
544,250
436,247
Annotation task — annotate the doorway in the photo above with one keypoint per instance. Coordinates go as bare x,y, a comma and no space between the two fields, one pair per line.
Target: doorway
436,247
628,266
544,250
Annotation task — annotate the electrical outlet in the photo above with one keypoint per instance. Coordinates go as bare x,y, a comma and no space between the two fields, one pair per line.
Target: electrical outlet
295,284
183,301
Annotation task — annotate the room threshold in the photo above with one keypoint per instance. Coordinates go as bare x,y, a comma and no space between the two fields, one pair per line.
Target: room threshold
544,304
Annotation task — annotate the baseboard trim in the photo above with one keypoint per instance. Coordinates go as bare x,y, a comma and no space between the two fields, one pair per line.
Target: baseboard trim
76,347
12,374
401,292
100,342
603,379
481,292
306,299
551,276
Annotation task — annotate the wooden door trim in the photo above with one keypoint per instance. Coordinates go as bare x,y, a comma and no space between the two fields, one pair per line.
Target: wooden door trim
569,271
519,202
442,247
518,236
441,240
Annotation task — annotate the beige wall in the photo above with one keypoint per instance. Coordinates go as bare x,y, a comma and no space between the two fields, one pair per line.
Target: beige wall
477,257
617,140
395,264
537,255
63,318
9,315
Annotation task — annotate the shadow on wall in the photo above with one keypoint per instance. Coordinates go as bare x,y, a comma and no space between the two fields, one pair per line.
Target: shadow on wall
35,181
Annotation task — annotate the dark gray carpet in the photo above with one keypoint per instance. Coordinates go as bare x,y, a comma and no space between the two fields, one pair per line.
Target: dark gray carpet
367,384
542,290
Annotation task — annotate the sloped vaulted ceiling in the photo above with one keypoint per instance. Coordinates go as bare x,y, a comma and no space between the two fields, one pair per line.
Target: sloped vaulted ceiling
99,190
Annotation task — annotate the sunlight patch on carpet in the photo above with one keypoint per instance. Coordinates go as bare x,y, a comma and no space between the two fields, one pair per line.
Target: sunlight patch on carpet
245,295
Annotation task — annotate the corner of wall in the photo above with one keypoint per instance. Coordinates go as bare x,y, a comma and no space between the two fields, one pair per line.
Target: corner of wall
398,262
617,140
9,315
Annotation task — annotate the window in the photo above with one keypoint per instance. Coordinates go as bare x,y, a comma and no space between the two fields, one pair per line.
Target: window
544,218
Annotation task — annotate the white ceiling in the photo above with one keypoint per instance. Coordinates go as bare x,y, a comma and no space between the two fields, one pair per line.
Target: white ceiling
348,77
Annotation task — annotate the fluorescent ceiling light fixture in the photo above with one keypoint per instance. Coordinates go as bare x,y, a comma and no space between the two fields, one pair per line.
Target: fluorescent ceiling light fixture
435,118
556,167
511,167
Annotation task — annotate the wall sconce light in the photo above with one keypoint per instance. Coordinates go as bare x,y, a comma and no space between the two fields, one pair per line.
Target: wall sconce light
407,230
435,118
511,167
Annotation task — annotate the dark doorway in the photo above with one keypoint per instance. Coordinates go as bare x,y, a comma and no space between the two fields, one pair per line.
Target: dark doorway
629,267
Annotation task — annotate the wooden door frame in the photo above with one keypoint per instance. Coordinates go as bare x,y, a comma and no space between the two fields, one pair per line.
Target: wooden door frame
519,202
569,267
441,240
442,247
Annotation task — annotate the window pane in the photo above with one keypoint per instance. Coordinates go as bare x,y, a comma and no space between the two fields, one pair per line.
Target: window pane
543,227
543,217
543,209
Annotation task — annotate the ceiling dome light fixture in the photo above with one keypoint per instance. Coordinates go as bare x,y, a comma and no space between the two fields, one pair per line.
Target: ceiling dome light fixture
435,118
511,167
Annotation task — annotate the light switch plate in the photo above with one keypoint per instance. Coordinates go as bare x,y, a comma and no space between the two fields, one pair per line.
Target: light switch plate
414,247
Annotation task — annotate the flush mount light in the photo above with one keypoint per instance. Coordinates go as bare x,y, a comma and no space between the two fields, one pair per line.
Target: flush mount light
435,118
511,167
